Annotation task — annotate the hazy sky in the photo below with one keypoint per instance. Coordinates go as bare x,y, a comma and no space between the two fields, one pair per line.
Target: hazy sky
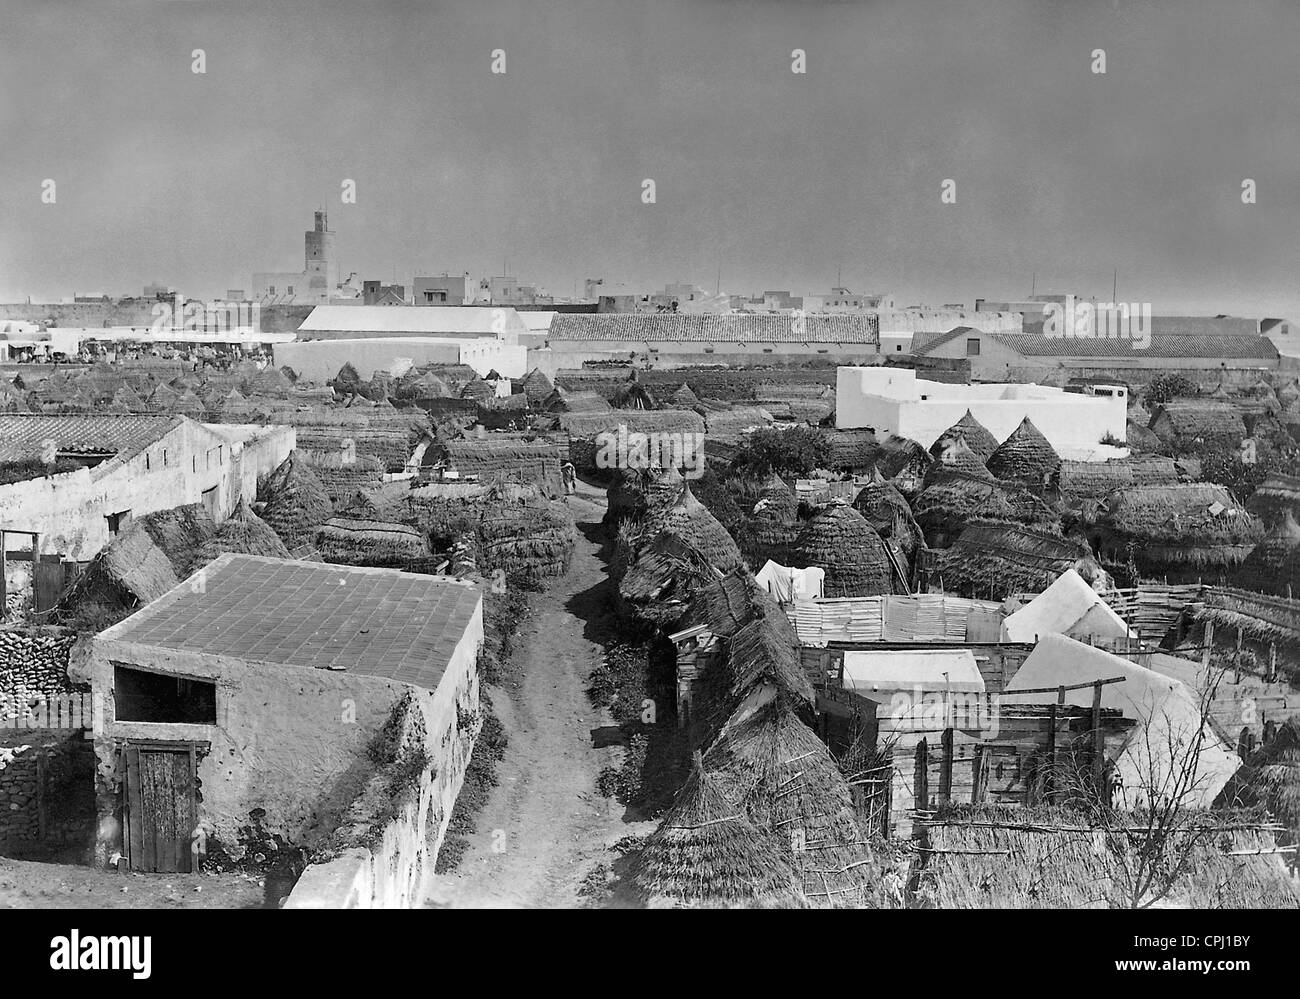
199,180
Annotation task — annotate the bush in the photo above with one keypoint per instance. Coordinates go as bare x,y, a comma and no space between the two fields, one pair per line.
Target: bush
790,451
1168,386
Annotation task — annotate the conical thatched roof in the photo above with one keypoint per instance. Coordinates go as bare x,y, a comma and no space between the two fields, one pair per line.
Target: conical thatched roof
1289,394
885,508
478,390
1270,778
690,521
188,404
976,435
1274,564
352,538
685,397
766,650
425,385
633,395
957,459
347,381
839,540
774,765
775,499
1275,496
296,502
1193,526
537,387
707,853
1026,456
244,533
663,489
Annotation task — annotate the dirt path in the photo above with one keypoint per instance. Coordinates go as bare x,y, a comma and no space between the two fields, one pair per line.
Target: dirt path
27,884
553,824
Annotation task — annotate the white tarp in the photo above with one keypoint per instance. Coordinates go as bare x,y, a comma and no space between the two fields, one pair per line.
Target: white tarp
788,585
1167,713
1068,607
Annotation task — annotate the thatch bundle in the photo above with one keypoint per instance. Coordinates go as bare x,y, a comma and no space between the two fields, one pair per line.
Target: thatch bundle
130,572
661,579
296,502
1026,457
537,387
994,559
707,853
1270,779
530,540
766,650
1273,566
975,434
1192,525
774,766
839,540
354,539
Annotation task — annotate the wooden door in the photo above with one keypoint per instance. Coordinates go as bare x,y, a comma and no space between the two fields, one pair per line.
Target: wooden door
159,808
212,501
47,582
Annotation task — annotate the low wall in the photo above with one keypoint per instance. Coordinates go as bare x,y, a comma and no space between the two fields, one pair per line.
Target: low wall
34,662
46,790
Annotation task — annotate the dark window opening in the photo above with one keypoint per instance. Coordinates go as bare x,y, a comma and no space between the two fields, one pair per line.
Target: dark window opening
972,347
158,697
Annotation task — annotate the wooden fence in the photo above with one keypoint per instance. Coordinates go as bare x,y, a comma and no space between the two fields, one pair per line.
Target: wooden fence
62,711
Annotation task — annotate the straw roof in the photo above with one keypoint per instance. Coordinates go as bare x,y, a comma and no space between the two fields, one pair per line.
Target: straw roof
839,540
1183,423
1270,778
945,508
1026,456
766,650
1274,564
296,501
662,579
898,455
690,520
663,489
1275,496
707,853
243,533
852,449
353,539
1094,480
996,559
1189,524
975,434
478,390
633,395
684,398
773,523
1289,394
131,571
537,387
771,763
1000,857
957,459
530,540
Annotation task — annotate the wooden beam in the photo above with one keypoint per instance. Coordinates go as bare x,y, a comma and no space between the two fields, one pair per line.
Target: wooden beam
945,767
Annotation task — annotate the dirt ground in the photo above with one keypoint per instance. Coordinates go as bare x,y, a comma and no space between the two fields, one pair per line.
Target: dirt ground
29,884
549,824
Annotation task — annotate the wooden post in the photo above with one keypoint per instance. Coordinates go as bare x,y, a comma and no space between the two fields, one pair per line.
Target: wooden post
1272,662
1236,660
3,595
1098,740
921,780
1207,643
979,769
945,768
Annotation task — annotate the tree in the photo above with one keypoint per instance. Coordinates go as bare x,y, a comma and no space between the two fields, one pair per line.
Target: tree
1168,386
792,451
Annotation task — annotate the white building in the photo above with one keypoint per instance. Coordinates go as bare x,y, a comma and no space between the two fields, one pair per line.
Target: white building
895,401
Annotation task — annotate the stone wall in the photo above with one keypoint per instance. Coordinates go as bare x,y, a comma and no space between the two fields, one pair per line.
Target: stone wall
46,791
34,663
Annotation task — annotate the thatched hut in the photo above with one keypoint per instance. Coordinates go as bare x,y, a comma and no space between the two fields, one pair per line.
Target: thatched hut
625,500
773,765
957,459
296,502
1276,496
1081,485
632,394
1270,779
690,520
128,573
904,461
975,434
1192,529
1026,457
851,450
1288,395
343,481
502,458
530,540
684,398
478,390
994,559
243,533
537,387
886,510
945,508
660,580
733,422
839,540
999,857
592,436
352,538
1185,425
706,853
562,401
775,522
663,489
766,650
1273,566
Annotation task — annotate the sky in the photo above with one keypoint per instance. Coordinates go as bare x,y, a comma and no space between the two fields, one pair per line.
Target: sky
764,178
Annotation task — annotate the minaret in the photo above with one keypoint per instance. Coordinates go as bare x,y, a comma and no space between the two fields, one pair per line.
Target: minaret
322,264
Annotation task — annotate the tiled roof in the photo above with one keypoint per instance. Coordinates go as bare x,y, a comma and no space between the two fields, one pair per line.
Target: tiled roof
23,434
420,319
737,328
373,622
1247,347
1162,345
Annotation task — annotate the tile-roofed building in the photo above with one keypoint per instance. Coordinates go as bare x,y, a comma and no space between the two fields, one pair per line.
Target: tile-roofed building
728,328
23,435
372,622
1172,345
349,321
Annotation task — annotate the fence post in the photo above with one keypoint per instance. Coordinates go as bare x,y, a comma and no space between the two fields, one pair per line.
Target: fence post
1236,660
921,779
945,767
1207,643
979,767
1098,740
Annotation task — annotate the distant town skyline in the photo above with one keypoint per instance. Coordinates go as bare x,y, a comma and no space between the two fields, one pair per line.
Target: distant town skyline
780,180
